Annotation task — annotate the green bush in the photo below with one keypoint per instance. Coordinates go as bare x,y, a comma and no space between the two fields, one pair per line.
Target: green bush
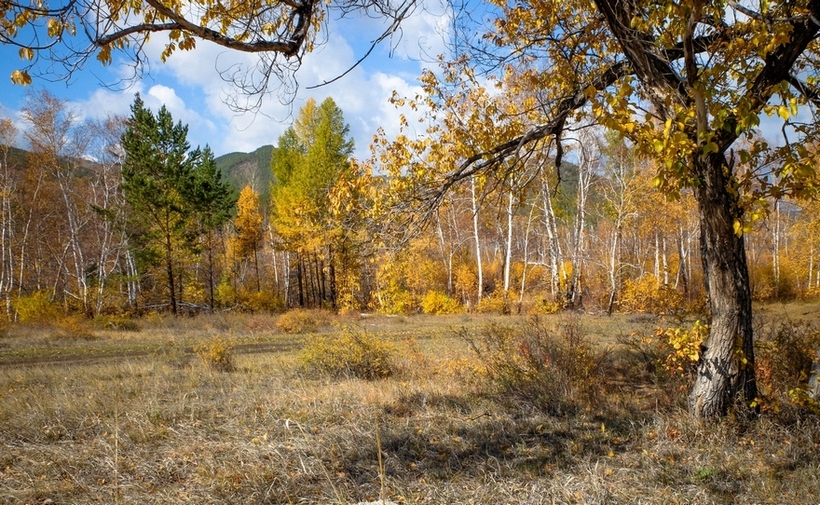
437,303
350,354
555,370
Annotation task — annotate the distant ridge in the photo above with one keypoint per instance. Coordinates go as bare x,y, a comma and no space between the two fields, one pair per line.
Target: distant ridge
241,169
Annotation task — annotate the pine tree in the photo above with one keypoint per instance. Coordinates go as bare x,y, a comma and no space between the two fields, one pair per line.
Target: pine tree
214,202
157,176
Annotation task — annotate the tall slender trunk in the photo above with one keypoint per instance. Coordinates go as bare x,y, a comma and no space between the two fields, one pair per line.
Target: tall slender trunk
209,238
256,267
726,368
446,253
574,296
776,247
556,258
169,265
300,281
526,261
614,264
479,268
682,263
508,248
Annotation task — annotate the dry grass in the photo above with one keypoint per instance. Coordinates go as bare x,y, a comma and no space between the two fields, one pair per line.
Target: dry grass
160,429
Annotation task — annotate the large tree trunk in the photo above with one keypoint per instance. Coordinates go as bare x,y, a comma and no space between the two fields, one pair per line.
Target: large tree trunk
726,369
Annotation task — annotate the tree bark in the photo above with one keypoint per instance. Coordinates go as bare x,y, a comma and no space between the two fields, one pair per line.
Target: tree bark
726,369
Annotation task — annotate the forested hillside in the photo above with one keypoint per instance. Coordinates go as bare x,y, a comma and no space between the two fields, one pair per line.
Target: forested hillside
241,169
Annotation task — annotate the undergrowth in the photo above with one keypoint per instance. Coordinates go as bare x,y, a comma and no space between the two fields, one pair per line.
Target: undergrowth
350,353
556,369
144,430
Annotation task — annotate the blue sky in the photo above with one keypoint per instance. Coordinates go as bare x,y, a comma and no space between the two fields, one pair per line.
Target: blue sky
190,86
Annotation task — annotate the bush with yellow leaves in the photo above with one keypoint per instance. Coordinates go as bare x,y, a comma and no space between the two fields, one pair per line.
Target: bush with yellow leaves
496,303
216,354
438,303
38,307
647,295
681,348
259,301
302,321
350,353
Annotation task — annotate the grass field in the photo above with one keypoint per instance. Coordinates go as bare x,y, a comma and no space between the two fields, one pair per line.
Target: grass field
99,415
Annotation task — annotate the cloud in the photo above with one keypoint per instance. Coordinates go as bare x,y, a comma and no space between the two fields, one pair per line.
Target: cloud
189,83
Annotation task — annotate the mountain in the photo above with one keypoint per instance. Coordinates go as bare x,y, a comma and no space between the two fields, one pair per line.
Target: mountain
241,169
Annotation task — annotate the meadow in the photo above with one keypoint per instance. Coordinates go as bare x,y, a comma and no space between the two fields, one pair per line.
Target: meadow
232,408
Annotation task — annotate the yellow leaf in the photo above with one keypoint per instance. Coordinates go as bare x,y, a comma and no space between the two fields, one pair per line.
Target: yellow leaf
658,145
738,228
783,112
711,147
54,27
20,77
26,53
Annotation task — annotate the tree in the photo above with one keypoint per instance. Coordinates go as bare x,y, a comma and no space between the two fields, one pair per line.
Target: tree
58,143
683,82
156,176
65,34
248,224
109,238
311,159
213,201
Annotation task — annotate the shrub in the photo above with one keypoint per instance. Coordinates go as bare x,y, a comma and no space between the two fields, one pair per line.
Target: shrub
216,354
74,326
647,295
260,301
496,303
784,355
557,371
680,348
350,354
437,303
543,306
302,321
37,308
119,323
225,294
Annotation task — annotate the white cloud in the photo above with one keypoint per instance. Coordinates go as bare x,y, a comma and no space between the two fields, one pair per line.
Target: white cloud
189,84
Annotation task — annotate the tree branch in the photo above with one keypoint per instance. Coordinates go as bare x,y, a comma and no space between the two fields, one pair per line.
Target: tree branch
493,157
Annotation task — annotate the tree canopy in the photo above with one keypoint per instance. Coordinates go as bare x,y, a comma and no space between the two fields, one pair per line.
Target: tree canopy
687,83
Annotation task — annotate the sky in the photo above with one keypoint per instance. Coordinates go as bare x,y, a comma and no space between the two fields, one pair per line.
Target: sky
190,86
